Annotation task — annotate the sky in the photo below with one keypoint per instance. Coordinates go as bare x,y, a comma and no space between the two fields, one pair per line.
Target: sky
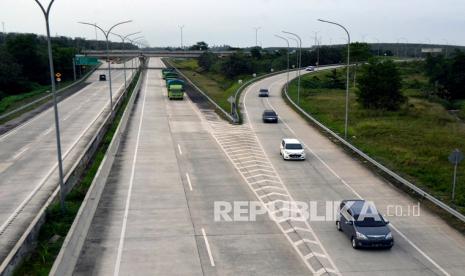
232,22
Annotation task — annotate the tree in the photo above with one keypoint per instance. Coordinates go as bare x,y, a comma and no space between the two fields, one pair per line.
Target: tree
256,52
235,65
10,75
359,52
334,80
379,86
207,60
199,46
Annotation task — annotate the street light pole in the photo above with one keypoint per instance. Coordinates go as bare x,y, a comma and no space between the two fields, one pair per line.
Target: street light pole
299,65
296,55
182,36
123,39
55,107
287,41
135,41
107,34
256,35
348,75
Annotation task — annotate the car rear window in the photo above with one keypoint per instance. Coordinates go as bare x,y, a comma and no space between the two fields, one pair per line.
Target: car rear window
294,146
270,113
263,90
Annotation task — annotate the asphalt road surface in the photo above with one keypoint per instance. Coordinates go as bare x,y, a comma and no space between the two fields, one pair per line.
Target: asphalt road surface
28,162
156,216
424,244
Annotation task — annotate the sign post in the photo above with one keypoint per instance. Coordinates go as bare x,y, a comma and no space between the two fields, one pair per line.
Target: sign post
455,158
231,100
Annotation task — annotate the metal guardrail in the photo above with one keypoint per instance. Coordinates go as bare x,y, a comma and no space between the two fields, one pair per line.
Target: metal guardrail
375,163
21,108
74,241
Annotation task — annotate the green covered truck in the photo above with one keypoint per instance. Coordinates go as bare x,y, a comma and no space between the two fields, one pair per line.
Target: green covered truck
175,89
168,71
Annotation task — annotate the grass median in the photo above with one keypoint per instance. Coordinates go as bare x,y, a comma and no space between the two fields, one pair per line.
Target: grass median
414,141
57,224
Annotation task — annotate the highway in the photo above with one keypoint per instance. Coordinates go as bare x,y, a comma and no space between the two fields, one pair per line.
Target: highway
156,213
425,245
28,162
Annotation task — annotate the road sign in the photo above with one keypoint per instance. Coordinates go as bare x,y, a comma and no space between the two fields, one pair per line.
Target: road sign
231,99
83,60
58,79
456,157
58,75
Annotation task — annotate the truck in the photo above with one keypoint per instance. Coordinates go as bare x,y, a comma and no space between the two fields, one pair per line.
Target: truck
165,71
175,89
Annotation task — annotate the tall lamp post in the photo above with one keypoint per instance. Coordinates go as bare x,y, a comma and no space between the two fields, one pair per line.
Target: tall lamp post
181,28
135,41
348,76
287,41
299,65
256,35
123,39
55,107
296,55
107,34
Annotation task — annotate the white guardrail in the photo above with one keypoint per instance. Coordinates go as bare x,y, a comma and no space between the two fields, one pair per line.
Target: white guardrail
375,163
74,241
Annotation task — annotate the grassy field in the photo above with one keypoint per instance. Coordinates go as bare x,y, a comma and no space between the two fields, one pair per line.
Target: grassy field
414,141
216,86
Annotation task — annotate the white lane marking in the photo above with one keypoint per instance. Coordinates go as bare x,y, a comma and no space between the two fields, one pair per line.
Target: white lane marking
212,262
42,182
46,132
360,197
189,181
131,184
60,104
69,116
20,152
179,149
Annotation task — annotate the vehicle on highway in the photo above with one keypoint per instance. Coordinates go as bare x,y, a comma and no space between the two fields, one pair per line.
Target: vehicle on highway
364,225
102,77
175,89
292,149
263,93
310,68
165,71
269,116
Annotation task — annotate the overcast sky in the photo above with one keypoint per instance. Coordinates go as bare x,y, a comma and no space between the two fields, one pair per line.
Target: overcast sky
231,22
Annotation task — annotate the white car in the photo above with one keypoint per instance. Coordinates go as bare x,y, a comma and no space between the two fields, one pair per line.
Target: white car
310,68
292,149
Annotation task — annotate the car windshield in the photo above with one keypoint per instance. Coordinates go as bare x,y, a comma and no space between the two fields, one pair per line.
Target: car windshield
370,222
294,146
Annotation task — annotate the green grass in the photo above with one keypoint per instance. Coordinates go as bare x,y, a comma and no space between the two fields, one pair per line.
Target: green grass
58,223
414,141
217,87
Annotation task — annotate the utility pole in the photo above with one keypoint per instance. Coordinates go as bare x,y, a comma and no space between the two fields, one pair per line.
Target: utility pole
182,36
256,35
346,125
46,13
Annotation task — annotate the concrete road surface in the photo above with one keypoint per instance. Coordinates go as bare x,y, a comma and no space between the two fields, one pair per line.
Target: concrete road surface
28,162
424,244
156,216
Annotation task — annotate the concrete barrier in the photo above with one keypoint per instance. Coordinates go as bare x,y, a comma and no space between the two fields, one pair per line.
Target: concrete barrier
72,246
28,240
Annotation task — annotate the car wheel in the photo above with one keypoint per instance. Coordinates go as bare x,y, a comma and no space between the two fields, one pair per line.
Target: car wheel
338,225
354,243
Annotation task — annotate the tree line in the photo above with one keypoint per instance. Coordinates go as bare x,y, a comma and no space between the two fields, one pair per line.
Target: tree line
24,60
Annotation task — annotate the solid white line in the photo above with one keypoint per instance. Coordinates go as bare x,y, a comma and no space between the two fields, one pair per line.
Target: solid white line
179,148
47,131
16,156
212,262
189,181
360,197
131,184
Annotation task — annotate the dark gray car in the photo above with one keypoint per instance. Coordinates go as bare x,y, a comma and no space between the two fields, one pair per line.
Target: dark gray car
263,93
269,116
364,225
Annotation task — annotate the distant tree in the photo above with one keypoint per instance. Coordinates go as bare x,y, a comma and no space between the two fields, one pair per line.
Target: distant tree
334,80
359,52
235,65
11,81
207,60
256,52
199,46
379,86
